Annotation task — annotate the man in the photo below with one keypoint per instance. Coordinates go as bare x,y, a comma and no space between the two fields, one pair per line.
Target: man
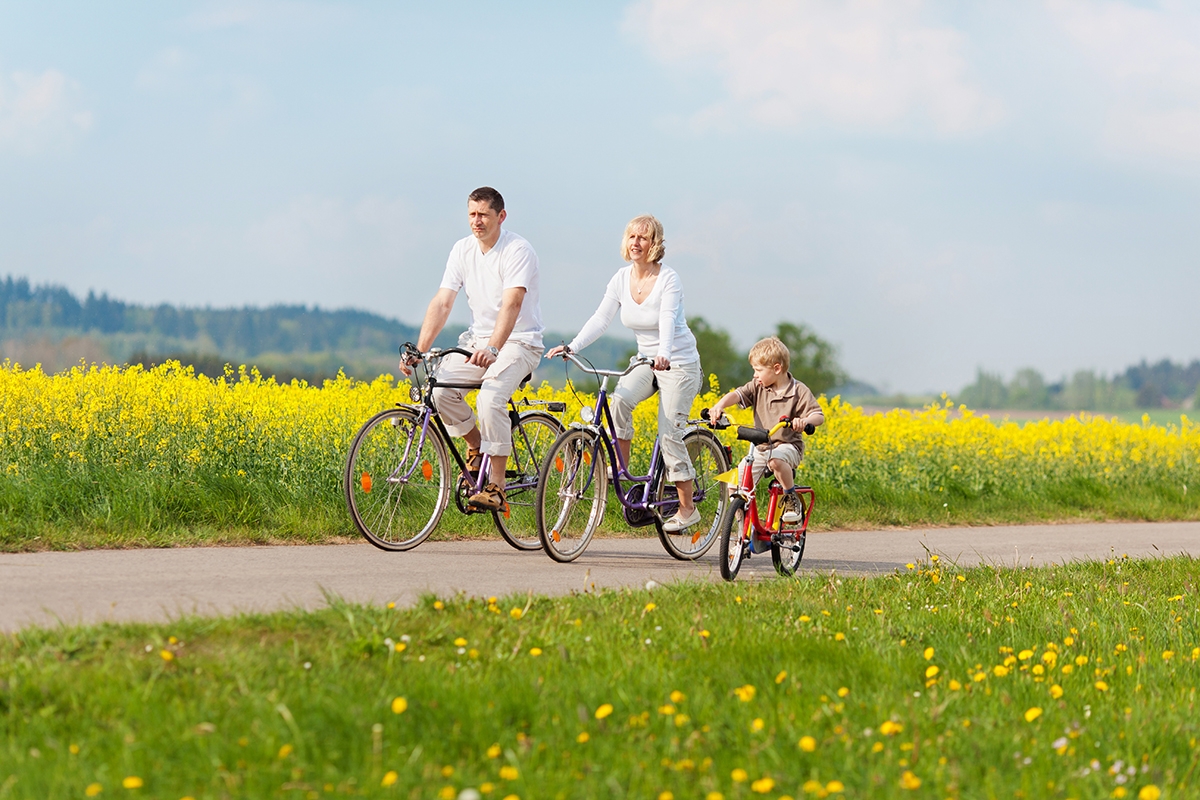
499,271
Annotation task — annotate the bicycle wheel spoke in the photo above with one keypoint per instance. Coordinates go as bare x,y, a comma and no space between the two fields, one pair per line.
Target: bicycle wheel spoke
708,461
571,494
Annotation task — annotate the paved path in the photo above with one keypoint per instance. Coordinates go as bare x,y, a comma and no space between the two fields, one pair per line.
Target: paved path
152,585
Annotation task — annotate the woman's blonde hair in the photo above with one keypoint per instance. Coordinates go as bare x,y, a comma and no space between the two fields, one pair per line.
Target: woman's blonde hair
658,247
770,351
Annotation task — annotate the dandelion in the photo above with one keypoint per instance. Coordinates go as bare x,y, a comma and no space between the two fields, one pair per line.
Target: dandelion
745,693
781,677
401,647
1168,655
762,785
133,782
839,637
1101,686
890,728
389,778
812,787
93,789
757,725
285,751
842,691
931,671
516,613
678,696
493,751
1149,792
666,795
808,744
877,747
535,651
1056,691
604,710
999,670
649,607
509,773
399,705
714,796
835,787
166,655
739,775
438,605
909,781
928,653
1032,713
583,737
460,642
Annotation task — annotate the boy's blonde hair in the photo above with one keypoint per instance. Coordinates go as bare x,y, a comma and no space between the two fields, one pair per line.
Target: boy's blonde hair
770,351
651,225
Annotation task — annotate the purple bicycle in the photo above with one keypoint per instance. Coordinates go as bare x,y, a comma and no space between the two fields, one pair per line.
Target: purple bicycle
573,484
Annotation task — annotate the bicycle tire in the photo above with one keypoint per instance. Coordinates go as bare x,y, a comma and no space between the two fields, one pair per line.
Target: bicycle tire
709,460
787,547
733,545
573,475
532,436
396,487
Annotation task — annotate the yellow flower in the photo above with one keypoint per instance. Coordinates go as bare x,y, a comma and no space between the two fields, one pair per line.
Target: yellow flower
1025,655
446,793
460,642
535,651
493,751
93,789
583,737
389,778
678,696
842,691
745,693
1056,691
839,637
909,781
890,728
401,647
515,613
666,795
438,605
739,775
762,785
133,782
604,710
808,744
166,655
285,751
812,787
399,705
999,670
877,747
1149,792
931,670
1101,686
928,653
835,786
649,607
955,685
1032,713
714,796
805,618
447,771
509,773
757,725
781,677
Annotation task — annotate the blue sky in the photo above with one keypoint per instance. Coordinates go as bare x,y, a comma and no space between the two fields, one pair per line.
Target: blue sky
934,187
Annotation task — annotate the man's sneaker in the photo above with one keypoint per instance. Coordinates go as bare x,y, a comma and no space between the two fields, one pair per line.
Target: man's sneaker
490,499
791,509
678,522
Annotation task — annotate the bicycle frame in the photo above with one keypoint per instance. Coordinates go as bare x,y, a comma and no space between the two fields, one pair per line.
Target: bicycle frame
755,527
641,511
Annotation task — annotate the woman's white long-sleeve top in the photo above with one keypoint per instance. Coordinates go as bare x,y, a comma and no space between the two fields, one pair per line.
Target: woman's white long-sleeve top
658,322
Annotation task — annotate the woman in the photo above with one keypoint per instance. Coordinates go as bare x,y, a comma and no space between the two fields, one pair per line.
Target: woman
650,299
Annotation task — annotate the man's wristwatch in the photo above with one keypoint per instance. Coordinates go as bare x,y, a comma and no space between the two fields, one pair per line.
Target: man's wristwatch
493,350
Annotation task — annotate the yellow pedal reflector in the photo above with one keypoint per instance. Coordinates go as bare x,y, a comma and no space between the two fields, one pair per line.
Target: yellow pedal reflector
554,535
427,470
729,477
558,465
366,481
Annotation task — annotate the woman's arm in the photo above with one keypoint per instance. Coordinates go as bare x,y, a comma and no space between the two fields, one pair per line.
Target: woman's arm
669,300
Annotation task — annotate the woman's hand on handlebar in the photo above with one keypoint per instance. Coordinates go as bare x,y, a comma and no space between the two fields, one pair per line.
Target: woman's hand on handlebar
555,352
661,363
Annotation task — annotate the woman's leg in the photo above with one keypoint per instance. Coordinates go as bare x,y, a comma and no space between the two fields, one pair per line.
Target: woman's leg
631,390
677,391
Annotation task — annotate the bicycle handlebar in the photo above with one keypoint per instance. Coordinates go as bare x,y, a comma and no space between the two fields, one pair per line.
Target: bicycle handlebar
567,354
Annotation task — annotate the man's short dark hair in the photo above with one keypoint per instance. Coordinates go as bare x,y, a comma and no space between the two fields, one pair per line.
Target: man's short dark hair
486,194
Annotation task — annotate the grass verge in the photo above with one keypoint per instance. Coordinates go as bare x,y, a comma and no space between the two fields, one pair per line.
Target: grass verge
1073,681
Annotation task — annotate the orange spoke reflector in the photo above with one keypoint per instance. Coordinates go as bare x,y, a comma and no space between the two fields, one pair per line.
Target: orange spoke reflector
558,465
695,537
427,470
554,535
506,513
587,456
366,481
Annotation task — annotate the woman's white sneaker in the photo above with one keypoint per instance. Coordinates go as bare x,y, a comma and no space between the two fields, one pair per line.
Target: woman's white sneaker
679,522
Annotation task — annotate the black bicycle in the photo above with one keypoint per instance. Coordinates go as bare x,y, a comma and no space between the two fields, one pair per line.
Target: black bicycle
399,477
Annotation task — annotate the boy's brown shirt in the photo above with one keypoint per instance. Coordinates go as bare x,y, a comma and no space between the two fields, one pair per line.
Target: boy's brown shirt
787,398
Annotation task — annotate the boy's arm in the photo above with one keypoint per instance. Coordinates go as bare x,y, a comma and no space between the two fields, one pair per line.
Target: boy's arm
808,411
714,413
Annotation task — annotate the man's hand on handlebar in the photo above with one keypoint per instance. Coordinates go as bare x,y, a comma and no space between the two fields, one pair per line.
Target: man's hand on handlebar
482,357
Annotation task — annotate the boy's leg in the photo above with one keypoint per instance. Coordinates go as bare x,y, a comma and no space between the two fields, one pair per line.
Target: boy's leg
785,459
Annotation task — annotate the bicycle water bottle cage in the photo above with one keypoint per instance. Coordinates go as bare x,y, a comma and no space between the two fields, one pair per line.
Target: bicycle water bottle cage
752,435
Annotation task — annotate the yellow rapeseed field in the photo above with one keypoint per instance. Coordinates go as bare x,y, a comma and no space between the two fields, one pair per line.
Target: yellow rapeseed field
167,423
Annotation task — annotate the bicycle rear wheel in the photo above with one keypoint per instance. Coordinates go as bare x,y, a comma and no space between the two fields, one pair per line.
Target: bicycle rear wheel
532,437
733,546
709,460
397,485
571,493
787,546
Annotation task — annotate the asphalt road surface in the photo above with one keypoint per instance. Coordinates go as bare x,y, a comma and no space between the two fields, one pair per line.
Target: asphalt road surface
50,589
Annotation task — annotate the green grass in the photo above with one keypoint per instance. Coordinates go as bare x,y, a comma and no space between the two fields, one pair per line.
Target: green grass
896,680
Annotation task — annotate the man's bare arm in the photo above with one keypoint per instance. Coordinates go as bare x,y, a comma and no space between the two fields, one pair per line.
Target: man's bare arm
506,318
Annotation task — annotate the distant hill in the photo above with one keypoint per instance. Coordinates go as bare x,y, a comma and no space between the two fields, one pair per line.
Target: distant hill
48,324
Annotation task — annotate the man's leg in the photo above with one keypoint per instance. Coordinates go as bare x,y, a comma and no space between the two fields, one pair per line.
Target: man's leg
452,405
514,362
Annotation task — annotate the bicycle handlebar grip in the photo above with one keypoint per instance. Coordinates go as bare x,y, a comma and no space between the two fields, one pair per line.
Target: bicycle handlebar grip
810,428
753,435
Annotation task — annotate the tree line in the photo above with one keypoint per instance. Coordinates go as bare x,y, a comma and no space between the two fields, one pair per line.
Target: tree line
1160,385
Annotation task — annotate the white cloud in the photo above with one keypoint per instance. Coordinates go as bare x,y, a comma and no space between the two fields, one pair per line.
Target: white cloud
1148,63
38,111
863,65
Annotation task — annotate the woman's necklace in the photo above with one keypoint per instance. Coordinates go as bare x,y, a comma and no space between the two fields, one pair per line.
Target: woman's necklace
639,288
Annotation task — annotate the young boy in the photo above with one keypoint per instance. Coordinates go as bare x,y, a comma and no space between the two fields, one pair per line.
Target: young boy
775,394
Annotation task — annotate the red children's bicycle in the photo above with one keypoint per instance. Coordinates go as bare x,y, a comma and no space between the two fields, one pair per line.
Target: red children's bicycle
743,532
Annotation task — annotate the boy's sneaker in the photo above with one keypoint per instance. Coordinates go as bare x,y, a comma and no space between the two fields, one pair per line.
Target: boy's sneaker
791,509
490,499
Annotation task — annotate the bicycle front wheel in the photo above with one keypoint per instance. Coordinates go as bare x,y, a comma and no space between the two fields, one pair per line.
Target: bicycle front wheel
397,479
733,541
571,494
532,437
787,546
709,460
